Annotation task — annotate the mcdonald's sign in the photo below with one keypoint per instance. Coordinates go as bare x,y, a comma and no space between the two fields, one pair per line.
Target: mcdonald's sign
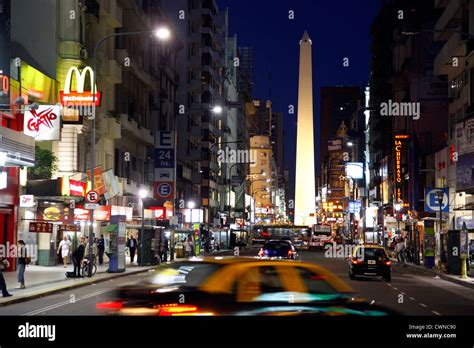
79,97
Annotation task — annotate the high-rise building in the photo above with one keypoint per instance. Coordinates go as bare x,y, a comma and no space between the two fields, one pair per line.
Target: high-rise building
338,104
200,67
246,67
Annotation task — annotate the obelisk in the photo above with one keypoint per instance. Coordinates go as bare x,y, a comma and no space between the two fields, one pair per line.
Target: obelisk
305,191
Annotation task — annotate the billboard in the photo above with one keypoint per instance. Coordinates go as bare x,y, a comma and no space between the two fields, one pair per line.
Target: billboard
355,170
465,172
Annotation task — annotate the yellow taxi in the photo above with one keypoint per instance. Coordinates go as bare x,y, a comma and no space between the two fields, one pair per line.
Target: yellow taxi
238,286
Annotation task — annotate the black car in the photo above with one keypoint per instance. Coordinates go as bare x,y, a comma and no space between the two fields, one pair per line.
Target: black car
370,260
278,248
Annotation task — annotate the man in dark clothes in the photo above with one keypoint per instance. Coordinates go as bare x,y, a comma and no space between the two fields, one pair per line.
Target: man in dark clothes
77,257
132,246
101,247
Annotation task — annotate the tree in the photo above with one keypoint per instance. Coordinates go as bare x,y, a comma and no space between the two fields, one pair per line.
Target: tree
45,164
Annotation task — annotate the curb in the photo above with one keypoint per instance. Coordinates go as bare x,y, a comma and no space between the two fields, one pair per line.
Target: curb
440,274
72,286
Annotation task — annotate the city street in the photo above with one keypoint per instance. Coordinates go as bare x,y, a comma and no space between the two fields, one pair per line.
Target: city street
408,293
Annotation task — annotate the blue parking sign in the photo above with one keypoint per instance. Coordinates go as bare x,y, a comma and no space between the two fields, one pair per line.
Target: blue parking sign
431,200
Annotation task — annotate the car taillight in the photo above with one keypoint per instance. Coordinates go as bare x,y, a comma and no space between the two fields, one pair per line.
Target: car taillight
173,309
116,305
260,253
290,252
356,262
388,263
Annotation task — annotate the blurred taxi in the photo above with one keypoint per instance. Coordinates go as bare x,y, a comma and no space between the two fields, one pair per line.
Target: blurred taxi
238,286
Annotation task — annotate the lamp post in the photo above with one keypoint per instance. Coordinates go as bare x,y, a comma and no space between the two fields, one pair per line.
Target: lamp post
398,208
440,196
162,33
142,194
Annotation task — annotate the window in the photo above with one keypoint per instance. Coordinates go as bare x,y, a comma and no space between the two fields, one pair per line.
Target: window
270,280
316,284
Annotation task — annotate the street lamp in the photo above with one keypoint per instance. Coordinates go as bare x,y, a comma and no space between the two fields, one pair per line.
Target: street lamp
142,194
398,207
191,207
350,144
163,34
217,109
440,196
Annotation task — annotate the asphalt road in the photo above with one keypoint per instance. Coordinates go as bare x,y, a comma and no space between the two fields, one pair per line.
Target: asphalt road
409,292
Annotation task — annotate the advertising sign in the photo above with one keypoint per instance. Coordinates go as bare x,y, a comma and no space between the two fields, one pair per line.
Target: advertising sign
79,97
98,181
43,123
398,147
56,213
431,200
77,188
101,213
197,239
27,201
69,228
41,227
465,136
111,184
465,172
429,243
355,170
5,26
354,206
123,211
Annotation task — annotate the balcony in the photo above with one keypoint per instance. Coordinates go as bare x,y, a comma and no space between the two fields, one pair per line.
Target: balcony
111,13
196,178
450,18
130,128
196,131
114,71
454,47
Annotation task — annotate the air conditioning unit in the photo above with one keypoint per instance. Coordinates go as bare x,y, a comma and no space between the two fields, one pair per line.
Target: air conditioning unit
83,53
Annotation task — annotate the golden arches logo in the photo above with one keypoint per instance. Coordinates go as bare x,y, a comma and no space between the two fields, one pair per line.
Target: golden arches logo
80,97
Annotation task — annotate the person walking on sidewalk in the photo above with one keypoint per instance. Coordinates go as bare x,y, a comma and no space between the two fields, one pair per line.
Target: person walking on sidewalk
400,250
22,262
132,246
64,248
77,257
188,247
3,286
101,247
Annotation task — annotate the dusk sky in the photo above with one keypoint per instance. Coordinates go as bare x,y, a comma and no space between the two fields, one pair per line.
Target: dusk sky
337,29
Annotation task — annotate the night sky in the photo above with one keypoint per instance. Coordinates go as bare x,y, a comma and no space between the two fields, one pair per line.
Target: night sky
337,29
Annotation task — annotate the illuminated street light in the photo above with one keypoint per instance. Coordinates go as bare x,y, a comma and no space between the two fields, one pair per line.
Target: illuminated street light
163,33
350,143
217,109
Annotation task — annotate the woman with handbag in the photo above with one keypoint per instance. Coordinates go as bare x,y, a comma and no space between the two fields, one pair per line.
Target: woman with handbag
23,260
3,286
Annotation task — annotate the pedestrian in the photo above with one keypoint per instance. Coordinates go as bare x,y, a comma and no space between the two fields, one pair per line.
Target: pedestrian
132,246
165,250
400,249
188,247
77,257
95,250
23,260
64,247
4,264
101,247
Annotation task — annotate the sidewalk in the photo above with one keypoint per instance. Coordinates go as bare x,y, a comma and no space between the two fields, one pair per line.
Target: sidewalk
469,282
41,281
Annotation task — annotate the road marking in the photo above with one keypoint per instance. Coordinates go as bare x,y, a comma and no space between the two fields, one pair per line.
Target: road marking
389,284
412,298
395,288
434,312
64,303
423,305
401,292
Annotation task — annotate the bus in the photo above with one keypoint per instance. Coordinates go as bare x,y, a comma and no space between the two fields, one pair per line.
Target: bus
299,235
321,236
